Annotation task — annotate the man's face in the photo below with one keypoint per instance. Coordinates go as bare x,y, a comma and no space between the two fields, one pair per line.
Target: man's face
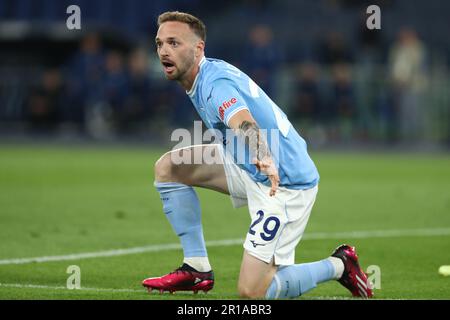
176,45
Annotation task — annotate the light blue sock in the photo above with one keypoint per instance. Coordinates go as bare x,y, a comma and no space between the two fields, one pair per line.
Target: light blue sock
182,208
295,280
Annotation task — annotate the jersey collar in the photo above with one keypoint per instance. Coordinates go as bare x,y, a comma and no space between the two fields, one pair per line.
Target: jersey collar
191,92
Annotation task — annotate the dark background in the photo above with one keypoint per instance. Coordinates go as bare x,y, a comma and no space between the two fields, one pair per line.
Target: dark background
340,83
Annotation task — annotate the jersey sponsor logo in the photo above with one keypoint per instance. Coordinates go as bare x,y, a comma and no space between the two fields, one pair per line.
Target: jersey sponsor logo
225,106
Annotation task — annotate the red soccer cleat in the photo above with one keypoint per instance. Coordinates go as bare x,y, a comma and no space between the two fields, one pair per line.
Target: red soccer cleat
184,278
353,278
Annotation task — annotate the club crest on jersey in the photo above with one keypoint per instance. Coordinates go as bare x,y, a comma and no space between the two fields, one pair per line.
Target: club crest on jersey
225,106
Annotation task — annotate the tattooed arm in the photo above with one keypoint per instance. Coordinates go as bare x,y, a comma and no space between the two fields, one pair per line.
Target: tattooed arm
247,129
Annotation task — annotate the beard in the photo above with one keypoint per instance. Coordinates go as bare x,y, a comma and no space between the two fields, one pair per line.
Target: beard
182,68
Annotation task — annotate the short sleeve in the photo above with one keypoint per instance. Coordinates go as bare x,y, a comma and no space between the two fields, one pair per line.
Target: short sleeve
224,98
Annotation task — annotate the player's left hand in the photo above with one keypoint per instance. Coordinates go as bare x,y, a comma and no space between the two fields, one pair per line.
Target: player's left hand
267,166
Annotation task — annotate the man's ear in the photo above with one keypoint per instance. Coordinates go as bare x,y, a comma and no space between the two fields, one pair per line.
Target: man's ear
200,48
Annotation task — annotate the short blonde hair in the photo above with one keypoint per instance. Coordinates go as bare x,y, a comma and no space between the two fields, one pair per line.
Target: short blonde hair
194,23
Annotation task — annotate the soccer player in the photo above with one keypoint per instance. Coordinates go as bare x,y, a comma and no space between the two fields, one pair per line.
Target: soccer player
276,178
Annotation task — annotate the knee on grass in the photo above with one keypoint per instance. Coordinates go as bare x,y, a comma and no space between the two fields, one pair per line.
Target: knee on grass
250,292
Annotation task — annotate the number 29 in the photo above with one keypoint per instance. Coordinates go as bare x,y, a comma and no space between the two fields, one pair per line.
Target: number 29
270,226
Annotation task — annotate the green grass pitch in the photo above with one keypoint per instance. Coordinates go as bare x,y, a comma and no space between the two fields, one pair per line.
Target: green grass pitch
71,200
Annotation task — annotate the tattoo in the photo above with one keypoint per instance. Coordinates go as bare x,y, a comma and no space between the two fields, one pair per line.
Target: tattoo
251,134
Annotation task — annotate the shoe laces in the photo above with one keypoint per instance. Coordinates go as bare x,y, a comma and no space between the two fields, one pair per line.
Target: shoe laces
183,268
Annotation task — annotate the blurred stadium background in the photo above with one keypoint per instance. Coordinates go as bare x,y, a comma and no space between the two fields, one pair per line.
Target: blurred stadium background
66,94
341,83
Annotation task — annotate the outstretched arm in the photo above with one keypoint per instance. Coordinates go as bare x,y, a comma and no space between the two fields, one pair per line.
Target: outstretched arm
247,128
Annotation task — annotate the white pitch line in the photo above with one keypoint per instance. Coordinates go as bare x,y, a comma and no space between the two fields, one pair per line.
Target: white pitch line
378,234
36,286
113,253
232,242
142,291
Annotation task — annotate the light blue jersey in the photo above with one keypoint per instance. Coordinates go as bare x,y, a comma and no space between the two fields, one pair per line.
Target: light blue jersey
220,90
